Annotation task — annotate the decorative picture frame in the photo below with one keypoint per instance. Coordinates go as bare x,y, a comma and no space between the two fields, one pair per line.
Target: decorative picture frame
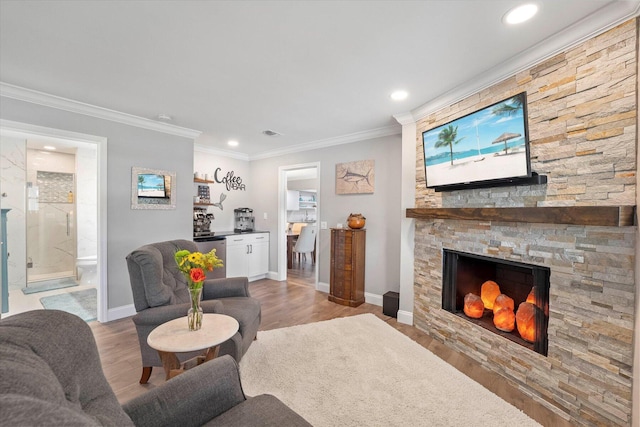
159,191
355,177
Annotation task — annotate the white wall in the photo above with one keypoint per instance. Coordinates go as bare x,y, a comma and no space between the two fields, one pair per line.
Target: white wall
128,146
128,229
380,208
206,162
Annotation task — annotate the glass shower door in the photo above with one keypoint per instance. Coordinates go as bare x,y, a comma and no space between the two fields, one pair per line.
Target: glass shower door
51,240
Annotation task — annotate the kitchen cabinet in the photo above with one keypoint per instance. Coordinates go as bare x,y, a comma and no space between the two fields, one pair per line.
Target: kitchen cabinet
293,200
346,282
248,255
306,200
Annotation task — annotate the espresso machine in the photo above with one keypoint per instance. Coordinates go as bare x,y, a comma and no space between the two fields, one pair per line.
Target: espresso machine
201,222
244,220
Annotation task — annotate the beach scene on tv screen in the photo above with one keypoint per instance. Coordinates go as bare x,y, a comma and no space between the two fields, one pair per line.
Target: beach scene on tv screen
488,144
151,185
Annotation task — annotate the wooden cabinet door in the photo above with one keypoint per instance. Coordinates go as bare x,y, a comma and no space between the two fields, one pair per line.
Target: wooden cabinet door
347,267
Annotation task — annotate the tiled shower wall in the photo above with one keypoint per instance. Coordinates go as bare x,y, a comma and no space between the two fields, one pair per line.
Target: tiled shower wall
12,185
582,122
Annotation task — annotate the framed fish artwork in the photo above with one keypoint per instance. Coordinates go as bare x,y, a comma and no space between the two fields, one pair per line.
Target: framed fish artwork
355,177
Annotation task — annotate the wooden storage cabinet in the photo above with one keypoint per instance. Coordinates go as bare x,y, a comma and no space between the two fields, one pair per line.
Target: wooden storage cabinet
347,266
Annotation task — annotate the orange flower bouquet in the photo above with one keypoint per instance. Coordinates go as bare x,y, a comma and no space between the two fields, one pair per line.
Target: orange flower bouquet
193,265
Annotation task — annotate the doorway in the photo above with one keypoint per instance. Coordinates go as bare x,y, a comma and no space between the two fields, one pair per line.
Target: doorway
299,208
51,183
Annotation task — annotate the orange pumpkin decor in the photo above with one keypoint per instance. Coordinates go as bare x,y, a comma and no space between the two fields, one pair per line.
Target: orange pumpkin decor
504,319
503,301
526,321
532,296
473,306
489,291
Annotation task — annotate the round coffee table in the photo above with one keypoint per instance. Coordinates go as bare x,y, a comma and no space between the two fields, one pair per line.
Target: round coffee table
174,337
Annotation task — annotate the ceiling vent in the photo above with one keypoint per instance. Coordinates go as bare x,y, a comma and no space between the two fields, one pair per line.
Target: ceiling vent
270,132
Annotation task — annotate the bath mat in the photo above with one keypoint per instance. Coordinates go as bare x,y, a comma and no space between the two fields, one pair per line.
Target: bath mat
81,303
48,285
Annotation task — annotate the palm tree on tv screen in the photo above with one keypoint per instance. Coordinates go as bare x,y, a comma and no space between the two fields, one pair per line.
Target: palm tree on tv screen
447,137
509,107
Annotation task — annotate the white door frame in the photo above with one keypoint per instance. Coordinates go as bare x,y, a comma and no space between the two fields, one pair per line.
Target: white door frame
29,131
282,217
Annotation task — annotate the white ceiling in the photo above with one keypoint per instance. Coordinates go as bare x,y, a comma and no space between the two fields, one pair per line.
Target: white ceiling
319,72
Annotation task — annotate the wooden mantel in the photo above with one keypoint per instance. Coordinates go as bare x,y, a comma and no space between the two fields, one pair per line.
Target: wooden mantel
607,216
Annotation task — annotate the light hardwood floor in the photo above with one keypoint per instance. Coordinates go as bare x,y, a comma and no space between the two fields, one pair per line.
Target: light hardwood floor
290,303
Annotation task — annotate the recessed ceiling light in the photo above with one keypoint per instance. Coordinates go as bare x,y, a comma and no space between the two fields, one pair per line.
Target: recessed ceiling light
520,14
399,95
49,147
233,143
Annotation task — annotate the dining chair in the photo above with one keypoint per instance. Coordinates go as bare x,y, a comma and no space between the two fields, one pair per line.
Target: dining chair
297,227
306,243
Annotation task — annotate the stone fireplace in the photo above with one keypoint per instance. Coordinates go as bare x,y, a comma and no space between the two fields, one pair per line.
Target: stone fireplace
466,274
582,107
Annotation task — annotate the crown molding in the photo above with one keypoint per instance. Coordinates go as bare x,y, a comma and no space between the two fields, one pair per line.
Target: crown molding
53,101
597,23
404,118
329,142
198,148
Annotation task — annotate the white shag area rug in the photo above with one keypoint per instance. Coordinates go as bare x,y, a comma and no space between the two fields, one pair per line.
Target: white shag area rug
360,371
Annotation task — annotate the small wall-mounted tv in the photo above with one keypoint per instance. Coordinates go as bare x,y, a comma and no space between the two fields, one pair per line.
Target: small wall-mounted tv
489,147
151,185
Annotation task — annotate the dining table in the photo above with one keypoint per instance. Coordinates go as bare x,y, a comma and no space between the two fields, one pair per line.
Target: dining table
291,241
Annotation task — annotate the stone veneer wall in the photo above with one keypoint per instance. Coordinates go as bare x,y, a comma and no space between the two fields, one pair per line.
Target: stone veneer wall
582,126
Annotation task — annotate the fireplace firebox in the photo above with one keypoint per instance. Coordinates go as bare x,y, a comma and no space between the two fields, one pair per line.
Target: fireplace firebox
470,284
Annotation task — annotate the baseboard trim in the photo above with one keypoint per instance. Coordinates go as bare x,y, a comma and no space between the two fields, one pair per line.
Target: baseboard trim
120,312
373,299
323,287
405,317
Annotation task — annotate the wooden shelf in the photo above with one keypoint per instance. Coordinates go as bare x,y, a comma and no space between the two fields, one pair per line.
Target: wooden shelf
607,216
203,204
203,181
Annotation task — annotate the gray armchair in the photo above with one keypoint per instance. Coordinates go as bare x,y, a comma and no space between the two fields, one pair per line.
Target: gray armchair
50,375
160,294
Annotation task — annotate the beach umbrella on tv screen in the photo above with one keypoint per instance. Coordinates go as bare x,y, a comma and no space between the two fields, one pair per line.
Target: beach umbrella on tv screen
504,138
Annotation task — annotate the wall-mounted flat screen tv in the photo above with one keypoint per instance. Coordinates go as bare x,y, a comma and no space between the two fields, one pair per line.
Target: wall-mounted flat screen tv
484,148
151,185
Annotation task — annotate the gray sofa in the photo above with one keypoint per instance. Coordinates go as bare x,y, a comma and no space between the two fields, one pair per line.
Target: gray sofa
160,294
50,375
